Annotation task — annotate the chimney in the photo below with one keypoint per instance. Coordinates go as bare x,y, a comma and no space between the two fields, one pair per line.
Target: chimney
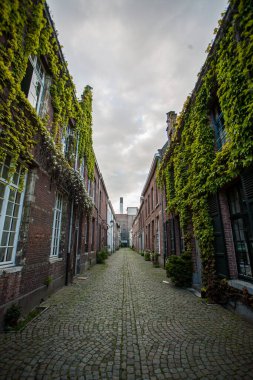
121,205
171,122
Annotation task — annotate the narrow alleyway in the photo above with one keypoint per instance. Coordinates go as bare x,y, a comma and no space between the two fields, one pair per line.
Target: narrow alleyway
123,322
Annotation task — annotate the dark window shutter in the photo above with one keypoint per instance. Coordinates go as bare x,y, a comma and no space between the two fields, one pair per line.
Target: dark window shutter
25,84
171,233
219,242
247,182
247,185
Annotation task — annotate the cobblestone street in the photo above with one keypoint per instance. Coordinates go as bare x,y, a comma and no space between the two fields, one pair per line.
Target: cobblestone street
123,322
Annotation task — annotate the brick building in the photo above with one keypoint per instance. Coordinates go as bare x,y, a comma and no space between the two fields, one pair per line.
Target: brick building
150,224
53,199
112,231
207,168
125,222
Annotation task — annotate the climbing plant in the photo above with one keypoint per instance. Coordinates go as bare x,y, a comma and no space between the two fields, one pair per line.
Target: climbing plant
191,169
26,29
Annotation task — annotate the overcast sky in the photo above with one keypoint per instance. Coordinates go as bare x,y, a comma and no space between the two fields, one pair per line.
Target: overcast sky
142,58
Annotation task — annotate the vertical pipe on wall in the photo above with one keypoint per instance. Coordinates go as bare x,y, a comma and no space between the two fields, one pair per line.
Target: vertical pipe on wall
69,244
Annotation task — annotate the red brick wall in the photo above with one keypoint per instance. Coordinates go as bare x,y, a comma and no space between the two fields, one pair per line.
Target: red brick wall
37,246
9,286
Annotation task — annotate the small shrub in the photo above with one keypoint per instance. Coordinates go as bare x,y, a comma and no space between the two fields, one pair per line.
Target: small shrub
147,256
179,269
102,256
155,259
48,281
142,253
12,316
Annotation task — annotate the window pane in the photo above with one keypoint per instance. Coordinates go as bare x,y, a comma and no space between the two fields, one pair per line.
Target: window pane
11,239
7,223
13,224
15,179
4,239
12,195
56,226
7,161
18,196
16,208
5,172
39,69
38,90
10,208
9,254
2,190
2,254
9,198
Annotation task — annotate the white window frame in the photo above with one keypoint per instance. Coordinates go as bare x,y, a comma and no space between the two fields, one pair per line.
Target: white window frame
9,186
40,78
81,168
65,140
56,230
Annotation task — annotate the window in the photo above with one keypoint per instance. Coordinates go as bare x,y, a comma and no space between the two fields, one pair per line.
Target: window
100,201
149,237
153,236
156,196
34,82
90,188
56,234
242,234
82,168
11,202
67,141
152,199
99,237
93,235
157,236
218,234
172,236
95,192
182,244
87,232
219,129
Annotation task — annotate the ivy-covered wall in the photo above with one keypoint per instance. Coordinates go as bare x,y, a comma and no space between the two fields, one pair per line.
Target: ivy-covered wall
191,168
26,29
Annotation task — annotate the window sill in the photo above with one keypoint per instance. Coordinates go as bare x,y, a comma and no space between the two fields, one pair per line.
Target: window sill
10,270
54,259
240,284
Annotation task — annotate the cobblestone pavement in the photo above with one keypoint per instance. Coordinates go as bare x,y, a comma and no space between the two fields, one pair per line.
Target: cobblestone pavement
123,322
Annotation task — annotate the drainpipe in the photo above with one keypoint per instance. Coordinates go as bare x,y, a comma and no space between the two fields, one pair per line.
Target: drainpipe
69,244
158,155
99,184
68,264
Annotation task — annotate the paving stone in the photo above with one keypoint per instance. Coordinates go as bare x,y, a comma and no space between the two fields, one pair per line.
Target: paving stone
124,323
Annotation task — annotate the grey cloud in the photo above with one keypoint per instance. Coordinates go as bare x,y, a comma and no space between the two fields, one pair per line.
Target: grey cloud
138,57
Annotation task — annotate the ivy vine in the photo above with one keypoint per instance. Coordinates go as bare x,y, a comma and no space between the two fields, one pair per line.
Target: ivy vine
25,30
190,160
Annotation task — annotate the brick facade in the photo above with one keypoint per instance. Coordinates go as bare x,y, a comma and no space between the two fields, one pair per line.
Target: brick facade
36,271
150,222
